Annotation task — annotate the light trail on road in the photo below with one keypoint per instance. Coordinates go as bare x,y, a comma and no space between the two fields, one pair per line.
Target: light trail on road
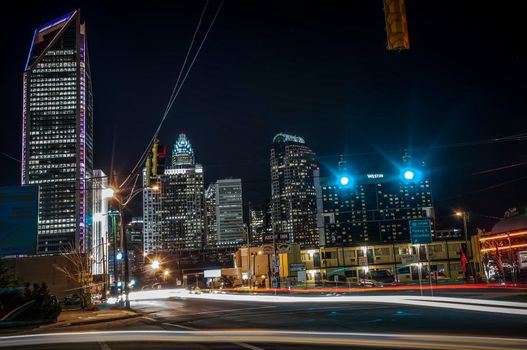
351,339
465,304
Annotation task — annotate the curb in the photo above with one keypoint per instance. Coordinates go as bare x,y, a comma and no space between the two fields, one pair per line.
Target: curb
71,324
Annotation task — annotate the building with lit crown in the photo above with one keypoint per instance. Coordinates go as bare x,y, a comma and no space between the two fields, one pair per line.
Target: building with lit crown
57,132
293,194
182,201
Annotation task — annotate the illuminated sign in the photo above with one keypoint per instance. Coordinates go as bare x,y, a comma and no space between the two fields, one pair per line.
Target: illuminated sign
375,176
212,273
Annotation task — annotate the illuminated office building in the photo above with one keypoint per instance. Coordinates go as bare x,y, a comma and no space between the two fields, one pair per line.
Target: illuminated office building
373,208
57,132
229,212
182,201
99,238
293,195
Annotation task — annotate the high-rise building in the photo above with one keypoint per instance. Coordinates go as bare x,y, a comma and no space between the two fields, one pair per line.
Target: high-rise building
114,247
134,240
57,132
99,238
210,213
257,226
152,241
293,195
373,208
182,201
229,212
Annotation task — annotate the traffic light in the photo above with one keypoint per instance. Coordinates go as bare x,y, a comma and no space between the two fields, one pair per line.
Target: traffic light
155,164
396,25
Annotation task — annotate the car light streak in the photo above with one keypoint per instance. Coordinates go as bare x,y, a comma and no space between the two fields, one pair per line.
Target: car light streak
479,305
389,340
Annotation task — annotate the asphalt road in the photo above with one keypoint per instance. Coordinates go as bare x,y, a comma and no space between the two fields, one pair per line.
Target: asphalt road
187,314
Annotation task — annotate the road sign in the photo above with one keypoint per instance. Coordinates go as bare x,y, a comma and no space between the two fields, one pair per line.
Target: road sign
420,231
407,259
301,276
297,267
336,278
276,263
363,260
274,283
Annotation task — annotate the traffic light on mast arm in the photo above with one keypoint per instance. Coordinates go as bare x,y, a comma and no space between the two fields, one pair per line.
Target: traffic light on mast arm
396,25
155,164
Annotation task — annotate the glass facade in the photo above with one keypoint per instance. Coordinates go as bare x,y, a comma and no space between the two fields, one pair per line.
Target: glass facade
229,211
293,195
373,210
57,136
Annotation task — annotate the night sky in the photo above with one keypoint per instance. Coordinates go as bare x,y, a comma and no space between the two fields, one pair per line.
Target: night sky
315,69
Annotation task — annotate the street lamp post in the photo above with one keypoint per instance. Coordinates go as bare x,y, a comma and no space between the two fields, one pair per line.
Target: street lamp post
463,214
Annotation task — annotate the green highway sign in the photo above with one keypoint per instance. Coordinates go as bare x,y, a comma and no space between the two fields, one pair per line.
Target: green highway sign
420,231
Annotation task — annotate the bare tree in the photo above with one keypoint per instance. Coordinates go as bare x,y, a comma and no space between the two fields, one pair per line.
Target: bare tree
78,270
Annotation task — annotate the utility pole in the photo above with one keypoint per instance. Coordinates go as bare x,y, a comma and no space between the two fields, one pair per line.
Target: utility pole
124,249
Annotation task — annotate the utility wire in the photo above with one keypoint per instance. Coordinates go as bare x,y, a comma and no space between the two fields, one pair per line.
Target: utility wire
176,87
10,157
498,169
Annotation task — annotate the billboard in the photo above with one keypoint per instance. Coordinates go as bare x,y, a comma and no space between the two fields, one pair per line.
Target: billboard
18,220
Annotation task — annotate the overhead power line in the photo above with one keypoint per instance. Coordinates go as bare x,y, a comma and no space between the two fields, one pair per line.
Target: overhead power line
178,86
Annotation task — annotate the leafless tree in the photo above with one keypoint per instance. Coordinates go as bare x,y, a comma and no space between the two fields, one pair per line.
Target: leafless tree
78,270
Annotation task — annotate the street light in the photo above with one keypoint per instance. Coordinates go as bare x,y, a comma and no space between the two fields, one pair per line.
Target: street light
464,215
108,193
344,180
155,265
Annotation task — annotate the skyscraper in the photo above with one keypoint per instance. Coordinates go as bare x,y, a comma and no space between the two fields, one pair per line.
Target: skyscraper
151,221
182,207
210,213
99,238
229,212
256,225
373,208
293,196
134,240
57,132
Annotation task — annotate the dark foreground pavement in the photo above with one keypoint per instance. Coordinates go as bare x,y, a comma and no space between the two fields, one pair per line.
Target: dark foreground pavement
182,314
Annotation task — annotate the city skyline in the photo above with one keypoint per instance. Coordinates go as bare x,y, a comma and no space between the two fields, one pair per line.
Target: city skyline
322,175
256,190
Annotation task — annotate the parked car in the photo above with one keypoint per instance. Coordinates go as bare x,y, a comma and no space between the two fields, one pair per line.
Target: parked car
72,299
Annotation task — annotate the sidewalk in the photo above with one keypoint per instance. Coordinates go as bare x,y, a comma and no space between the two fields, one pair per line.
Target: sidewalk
77,317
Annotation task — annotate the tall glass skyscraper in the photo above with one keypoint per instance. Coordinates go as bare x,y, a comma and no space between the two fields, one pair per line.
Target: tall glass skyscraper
182,201
57,132
293,195
229,212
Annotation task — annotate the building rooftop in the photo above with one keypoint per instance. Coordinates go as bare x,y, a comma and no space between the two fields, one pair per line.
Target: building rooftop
279,138
513,223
